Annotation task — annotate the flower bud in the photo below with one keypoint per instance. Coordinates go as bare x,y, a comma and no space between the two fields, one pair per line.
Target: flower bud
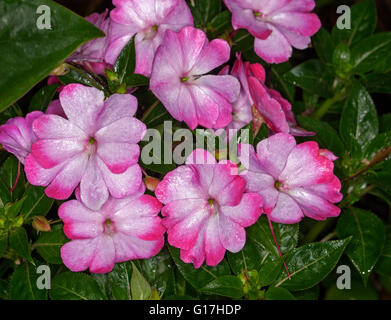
151,183
40,223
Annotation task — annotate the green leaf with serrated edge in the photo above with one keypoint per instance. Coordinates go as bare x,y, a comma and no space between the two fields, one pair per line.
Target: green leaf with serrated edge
140,288
40,101
19,241
310,264
363,23
286,235
324,45
23,60
23,284
359,124
312,76
370,51
368,238
49,243
326,135
125,64
227,286
36,203
199,278
278,294
383,265
8,174
75,286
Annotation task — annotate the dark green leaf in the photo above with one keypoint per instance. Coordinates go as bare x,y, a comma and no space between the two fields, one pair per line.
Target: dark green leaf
363,23
49,243
357,292
75,286
220,23
36,203
77,75
18,241
278,294
383,265
23,284
140,288
208,9
24,61
308,294
326,135
199,278
310,264
286,88
125,64
324,45
385,122
371,51
159,272
136,80
381,142
42,98
8,173
249,258
286,234
270,270
312,76
359,123
3,242
368,238
227,286
378,82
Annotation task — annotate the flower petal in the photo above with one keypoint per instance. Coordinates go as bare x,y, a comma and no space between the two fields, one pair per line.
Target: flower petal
82,106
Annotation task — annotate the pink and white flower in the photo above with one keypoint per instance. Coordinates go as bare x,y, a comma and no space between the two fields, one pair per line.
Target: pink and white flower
122,230
274,109
17,136
149,19
277,25
92,54
96,146
294,180
206,208
179,81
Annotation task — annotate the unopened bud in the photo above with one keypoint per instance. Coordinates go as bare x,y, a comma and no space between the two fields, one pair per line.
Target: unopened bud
40,223
151,183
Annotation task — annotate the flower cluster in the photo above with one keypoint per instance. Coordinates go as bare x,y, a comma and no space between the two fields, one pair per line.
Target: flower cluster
87,143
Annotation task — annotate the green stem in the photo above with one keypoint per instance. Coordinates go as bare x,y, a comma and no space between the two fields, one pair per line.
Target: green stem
319,113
